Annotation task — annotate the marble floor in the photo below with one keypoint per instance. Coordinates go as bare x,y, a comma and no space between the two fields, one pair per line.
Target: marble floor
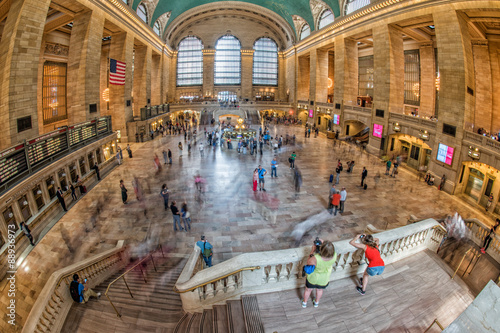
232,217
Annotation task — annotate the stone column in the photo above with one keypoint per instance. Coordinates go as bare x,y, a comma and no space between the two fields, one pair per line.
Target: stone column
303,78
427,80
19,59
165,71
103,80
84,65
281,94
313,59
494,48
346,71
155,79
121,49
291,78
246,74
142,78
331,72
208,72
321,83
483,116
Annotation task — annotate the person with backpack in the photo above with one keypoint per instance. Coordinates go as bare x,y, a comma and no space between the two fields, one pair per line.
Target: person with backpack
363,176
80,292
376,265
388,167
206,250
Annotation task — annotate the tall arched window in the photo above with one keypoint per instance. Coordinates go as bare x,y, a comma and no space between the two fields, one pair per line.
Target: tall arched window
305,31
157,28
265,62
142,12
190,62
126,1
227,60
353,5
325,19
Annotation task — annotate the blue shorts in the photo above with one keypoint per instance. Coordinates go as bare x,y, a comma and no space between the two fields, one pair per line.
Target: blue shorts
375,270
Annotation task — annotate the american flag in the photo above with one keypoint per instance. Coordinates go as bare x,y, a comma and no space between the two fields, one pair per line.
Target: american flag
117,72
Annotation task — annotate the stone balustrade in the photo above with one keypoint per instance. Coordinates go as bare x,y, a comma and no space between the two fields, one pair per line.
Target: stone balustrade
484,141
54,302
478,232
271,271
348,108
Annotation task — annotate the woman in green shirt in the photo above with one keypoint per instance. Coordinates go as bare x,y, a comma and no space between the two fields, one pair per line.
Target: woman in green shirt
320,278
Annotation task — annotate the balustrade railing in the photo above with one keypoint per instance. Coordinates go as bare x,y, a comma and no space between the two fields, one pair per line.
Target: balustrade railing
54,302
271,271
484,141
478,232
357,109
417,122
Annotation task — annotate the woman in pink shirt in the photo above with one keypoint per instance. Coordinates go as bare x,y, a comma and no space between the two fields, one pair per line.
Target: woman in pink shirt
255,179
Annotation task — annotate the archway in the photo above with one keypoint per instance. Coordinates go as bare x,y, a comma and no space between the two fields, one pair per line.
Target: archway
357,130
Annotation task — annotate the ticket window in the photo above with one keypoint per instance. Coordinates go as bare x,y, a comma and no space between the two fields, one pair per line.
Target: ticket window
73,174
9,218
37,194
63,180
91,159
24,205
51,187
83,169
98,156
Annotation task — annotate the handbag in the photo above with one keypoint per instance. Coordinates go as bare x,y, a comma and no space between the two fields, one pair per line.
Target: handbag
188,215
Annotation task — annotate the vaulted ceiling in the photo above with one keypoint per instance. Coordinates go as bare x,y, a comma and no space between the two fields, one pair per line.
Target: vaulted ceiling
285,8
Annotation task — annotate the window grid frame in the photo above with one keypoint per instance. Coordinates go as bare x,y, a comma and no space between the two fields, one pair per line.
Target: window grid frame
364,79
227,61
412,77
59,82
353,5
265,59
189,57
303,30
322,19
144,11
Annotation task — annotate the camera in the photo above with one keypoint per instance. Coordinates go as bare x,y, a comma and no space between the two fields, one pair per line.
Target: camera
317,243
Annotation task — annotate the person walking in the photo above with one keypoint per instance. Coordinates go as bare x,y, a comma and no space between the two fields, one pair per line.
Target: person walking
118,158
343,196
443,181
388,167
490,202
395,166
165,195
206,250
319,268
274,166
27,232
124,191
176,215
330,198
376,265
73,192
292,160
165,156
489,237
186,216
169,155
338,170
255,178
262,173
129,150
96,168
60,196
364,173
200,147
336,201
180,148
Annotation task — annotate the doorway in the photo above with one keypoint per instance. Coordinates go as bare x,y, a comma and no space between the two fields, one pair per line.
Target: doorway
474,184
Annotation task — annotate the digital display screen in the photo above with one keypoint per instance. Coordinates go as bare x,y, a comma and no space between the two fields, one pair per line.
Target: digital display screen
445,154
336,119
45,146
12,163
81,132
377,130
311,113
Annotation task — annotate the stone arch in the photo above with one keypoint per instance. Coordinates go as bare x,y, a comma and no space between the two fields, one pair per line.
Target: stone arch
317,8
298,22
150,7
163,19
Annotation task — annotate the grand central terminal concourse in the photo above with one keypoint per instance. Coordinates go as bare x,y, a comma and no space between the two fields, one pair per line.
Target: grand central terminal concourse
249,166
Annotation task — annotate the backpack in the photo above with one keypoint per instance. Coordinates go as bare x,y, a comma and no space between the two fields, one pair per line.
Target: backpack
73,290
207,252
341,167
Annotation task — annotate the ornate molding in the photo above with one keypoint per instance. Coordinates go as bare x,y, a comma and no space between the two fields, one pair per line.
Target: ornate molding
56,49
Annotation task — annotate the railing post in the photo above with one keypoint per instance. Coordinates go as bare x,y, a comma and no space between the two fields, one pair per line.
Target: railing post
127,286
117,313
143,276
151,255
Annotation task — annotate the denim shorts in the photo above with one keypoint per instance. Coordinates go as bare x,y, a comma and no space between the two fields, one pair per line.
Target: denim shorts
375,270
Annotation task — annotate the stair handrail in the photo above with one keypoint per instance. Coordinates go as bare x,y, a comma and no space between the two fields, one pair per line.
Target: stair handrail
53,304
435,322
122,276
252,268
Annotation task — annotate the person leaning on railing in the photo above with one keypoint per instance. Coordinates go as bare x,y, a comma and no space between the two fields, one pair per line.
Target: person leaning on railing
376,265
80,292
489,237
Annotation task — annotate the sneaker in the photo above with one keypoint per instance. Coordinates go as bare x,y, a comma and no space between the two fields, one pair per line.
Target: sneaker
483,251
304,305
315,304
360,290
264,189
98,295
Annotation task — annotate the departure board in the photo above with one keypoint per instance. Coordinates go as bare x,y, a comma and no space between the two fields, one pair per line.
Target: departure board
45,146
12,163
102,125
82,132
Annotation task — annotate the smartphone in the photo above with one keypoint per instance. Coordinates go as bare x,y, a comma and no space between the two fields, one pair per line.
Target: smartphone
361,236
85,280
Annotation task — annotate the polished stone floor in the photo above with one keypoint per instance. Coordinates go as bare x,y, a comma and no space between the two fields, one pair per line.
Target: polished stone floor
233,217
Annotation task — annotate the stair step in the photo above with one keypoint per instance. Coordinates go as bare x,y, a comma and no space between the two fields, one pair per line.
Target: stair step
194,324
220,319
183,324
206,325
236,319
251,313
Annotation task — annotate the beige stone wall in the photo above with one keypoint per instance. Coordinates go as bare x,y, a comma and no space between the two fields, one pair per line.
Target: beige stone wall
346,71
484,89
291,77
494,53
246,74
155,79
142,78
303,76
427,80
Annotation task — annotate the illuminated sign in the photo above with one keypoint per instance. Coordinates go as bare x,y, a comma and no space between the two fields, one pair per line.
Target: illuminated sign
445,154
377,130
336,119
311,113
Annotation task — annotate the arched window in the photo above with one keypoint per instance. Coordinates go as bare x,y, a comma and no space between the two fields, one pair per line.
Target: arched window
126,1
353,5
325,19
227,60
157,28
305,31
265,62
142,12
190,62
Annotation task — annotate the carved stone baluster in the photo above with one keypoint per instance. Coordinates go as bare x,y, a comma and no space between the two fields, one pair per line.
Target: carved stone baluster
267,274
289,270
277,269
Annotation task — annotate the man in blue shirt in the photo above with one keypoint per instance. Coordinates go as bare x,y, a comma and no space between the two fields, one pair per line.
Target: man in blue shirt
206,250
83,291
274,165
262,173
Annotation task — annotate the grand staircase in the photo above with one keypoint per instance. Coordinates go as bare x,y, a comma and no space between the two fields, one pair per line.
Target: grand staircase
155,307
